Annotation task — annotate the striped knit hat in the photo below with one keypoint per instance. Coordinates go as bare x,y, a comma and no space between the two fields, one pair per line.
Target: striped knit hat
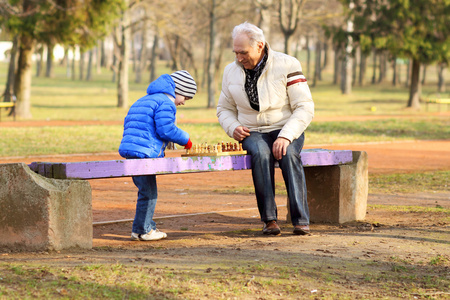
184,83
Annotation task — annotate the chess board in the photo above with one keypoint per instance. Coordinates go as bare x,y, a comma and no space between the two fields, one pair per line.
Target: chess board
220,149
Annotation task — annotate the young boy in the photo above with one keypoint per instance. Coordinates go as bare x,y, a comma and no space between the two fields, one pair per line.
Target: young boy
148,127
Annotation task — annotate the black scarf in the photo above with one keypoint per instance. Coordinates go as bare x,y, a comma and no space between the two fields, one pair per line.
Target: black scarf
251,80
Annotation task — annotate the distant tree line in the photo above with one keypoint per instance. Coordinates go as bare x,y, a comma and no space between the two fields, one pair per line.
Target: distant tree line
194,35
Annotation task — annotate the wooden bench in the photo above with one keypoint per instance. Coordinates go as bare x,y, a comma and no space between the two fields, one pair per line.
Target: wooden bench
11,105
337,182
436,99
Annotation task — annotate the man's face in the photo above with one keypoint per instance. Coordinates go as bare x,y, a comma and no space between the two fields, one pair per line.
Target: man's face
247,55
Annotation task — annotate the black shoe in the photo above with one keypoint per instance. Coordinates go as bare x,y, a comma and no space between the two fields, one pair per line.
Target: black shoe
302,230
272,228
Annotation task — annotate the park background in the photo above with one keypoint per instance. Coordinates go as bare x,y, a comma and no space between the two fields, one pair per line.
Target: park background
74,106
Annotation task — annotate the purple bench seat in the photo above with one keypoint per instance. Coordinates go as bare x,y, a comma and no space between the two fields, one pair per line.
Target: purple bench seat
175,165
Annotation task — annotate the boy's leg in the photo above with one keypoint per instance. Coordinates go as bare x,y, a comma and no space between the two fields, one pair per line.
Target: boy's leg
146,202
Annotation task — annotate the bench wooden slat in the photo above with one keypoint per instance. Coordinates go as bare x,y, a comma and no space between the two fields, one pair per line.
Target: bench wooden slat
7,104
171,165
438,101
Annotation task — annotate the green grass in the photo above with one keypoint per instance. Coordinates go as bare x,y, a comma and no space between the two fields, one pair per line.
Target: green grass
410,183
242,278
62,98
27,141
412,209
428,182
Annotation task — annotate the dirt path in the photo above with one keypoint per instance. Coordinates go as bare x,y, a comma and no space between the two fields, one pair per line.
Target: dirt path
206,227
114,199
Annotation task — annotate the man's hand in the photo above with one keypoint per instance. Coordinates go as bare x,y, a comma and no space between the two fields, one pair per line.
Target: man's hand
279,147
241,133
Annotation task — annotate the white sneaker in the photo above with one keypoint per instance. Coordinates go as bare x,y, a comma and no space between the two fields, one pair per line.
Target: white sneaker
153,235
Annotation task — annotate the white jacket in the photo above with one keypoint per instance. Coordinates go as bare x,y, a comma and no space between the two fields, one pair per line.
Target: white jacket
285,101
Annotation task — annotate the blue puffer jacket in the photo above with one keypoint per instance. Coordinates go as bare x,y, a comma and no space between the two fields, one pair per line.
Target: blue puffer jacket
150,122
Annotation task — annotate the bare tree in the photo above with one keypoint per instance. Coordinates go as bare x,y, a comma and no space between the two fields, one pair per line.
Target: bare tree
289,15
211,69
347,68
154,57
22,82
142,54
265,8
9,87
121,40
441,75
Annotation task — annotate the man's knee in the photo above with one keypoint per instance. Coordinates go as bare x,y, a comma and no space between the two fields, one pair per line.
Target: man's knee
262,155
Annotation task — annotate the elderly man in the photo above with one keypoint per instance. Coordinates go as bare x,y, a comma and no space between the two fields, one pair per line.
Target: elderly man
266,104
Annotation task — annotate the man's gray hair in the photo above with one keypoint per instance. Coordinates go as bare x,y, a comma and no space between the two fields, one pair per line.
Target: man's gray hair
254,33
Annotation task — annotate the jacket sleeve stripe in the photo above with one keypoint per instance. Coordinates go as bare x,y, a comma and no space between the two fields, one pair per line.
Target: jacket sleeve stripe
297,80
295,74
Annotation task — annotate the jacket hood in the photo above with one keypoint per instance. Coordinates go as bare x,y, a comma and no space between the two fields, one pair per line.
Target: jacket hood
163,84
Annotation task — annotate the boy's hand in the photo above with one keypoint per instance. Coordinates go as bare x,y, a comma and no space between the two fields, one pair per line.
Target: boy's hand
188,145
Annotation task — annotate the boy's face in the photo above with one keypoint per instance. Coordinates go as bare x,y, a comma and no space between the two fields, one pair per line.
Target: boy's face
179,100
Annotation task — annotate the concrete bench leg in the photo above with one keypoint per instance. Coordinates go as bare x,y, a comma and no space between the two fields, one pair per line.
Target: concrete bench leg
338,194
38,213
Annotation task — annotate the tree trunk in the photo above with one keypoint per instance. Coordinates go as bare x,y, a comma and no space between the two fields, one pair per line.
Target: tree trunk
424,74
297,48
308,57
374,66
211,69
362,69
103,58
122,82
22,83
73,62
89,66
356,63
63,61
381,67
327,50
394,73
173,50
39,60
140,67
346,82
98,66
114,68
68,70
441,78
265,16
318,67
337,65
317,63
288,16
9,87
287,43
415,88
408,73
49,66
133,51
154,57
81,66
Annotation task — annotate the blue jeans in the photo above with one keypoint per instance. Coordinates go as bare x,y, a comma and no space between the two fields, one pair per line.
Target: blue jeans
259,146
146,202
